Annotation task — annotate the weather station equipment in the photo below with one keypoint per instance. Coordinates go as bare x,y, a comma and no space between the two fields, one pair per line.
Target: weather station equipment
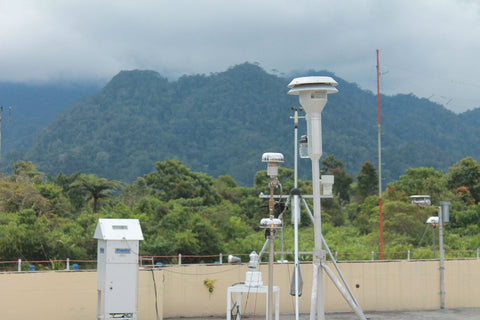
271,224
421,200
312,92
117,268
253,284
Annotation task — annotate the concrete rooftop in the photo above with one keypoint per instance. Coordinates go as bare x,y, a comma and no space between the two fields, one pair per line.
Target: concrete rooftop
450,314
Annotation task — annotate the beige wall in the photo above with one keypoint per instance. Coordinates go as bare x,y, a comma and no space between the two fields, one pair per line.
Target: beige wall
462,283
66,295
47,295
381,286
389,285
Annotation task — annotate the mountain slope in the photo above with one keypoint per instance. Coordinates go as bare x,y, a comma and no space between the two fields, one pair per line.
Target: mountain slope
33,107
222,123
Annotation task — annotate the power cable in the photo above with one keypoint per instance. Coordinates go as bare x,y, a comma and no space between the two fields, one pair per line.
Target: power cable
292,298
235,305
156,295
442,79
201,274
421,240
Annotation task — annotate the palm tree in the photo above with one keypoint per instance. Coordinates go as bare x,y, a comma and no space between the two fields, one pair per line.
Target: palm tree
96,188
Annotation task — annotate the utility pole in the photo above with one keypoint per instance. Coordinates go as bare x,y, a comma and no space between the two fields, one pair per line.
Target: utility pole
379,159
296,213
444,216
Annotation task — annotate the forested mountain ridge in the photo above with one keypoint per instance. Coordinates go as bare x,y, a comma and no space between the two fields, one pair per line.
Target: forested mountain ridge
33,107
139,118
222,123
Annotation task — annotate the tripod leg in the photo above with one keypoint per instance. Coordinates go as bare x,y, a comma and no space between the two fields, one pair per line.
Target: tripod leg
344,292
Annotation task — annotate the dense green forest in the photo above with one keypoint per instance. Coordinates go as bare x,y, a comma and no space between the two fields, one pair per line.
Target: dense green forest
45,217
222,123
33,107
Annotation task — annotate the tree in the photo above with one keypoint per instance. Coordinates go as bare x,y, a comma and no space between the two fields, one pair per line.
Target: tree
225,186
329,163
27,170
16,196
135,192
367,180
465,173
341,186
469,218
364,215
185,231
405,221
64,181
173,180
96,188
421,181
70,188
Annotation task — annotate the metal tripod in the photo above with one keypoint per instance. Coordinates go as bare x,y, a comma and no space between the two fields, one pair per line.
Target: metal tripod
341,283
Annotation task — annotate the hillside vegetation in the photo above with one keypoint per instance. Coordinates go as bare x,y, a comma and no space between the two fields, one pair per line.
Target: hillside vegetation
33,107
46,217
221,124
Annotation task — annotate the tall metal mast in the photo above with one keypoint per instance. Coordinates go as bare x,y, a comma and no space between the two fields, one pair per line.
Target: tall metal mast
296,214
379,160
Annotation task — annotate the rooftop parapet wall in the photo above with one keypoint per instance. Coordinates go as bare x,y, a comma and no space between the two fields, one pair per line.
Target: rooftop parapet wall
181,290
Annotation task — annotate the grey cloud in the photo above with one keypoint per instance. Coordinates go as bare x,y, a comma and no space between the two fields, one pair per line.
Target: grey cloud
428,48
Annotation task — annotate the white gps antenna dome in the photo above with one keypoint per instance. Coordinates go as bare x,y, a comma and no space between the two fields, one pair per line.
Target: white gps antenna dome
433,220
313,83
311,90
272,159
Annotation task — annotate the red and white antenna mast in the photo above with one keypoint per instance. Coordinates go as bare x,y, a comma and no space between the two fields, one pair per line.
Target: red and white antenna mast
379,159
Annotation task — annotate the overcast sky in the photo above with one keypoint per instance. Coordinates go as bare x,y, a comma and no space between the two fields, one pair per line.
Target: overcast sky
428,48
